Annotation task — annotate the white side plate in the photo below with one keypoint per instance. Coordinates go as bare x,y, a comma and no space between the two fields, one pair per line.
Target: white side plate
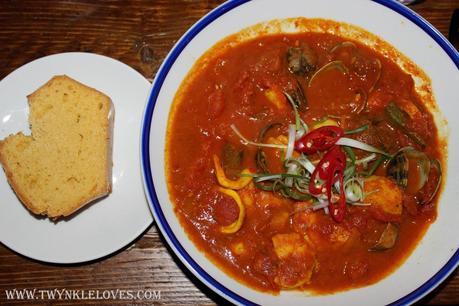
109,224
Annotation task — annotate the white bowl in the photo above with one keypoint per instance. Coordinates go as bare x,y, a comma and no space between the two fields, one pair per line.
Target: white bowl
437,254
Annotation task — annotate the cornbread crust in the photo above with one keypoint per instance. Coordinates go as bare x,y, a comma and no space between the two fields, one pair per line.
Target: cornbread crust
76,189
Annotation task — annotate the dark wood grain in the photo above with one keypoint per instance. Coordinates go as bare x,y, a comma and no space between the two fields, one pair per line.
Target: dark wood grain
140,34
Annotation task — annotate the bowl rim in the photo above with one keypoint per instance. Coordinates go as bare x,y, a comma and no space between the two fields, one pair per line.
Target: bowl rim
149,188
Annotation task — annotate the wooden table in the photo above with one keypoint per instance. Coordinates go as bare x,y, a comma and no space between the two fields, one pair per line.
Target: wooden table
140,34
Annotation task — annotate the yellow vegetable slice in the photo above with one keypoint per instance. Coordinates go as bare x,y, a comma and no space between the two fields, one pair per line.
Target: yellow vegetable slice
276,97
236,225
227,183
326,122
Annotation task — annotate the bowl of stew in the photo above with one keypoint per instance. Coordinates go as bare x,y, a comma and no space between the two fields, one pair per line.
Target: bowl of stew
305,152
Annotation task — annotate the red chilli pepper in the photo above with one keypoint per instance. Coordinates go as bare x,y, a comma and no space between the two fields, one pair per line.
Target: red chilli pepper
338,208
320,139
330,170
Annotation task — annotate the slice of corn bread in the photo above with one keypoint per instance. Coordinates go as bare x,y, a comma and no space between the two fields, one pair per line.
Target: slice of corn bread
66,162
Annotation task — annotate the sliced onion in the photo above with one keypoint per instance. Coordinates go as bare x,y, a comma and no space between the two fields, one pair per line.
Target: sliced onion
343,141
267,177
301,161
302,130
360,204
337,186
321,205
300,133
292,169
365,160
245,141
291,141
306,163
302,186
353,190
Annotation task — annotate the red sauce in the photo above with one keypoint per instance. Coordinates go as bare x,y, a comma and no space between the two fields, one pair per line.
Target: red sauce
231,89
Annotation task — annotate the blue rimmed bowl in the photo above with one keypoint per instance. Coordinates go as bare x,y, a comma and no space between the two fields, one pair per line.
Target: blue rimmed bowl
437,254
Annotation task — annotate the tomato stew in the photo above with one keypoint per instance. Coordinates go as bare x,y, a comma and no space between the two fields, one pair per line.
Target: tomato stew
303,161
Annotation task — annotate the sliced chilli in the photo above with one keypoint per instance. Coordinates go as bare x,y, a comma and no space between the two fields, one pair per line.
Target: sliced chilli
338,206
320,139
328,172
